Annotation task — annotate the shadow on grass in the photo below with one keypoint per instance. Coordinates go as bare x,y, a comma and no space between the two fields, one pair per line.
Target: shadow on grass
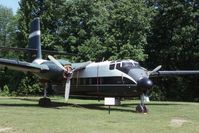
60,105
126,107
155,104
103,107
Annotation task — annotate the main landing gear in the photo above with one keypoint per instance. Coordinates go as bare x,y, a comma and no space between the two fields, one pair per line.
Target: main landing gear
45,102
141,108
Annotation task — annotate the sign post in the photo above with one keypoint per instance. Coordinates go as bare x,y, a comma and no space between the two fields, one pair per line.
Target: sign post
111,101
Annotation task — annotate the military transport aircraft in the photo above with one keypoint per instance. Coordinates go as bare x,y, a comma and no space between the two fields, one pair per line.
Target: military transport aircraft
120,78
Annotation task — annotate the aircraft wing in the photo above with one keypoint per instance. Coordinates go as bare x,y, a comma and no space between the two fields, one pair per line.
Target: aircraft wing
79,66
174,73
21,66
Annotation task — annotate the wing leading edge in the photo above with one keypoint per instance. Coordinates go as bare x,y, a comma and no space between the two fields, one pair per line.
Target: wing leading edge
79,66
22,66
173,73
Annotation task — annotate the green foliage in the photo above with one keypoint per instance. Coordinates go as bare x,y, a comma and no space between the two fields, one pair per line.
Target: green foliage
101,29
4,91
23,115
92,49
173,43
158,93
29,85
5,23
163,32
111,29
7,30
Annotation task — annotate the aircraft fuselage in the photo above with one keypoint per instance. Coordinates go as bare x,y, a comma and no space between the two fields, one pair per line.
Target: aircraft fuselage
108,78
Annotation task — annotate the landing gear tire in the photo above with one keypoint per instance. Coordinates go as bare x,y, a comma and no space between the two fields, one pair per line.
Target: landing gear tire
45,102
141,109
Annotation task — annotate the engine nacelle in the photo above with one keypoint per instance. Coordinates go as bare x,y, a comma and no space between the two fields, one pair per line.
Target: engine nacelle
67,72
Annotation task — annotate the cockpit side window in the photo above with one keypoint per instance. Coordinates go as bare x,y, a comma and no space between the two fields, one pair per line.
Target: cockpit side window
118,66
112,66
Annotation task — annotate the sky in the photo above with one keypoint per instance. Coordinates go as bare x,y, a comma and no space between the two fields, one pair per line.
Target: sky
10,4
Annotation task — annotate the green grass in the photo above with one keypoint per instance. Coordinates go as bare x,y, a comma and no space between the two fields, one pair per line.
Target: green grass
23,115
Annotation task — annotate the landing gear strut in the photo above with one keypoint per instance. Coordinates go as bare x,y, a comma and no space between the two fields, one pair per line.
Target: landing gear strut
45,102
141,108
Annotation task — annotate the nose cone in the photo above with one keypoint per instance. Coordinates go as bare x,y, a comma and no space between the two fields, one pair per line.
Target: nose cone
145,83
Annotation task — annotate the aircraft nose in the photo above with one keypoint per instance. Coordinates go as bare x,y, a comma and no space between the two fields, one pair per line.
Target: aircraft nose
145,83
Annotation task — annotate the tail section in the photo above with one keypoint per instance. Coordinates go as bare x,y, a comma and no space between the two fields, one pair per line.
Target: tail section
35,39
34,46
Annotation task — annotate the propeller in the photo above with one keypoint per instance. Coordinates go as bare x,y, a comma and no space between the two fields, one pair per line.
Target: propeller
154,70
56,62
67,85
67,89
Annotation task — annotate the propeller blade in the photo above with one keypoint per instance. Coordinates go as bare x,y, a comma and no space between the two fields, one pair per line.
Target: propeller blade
56,62
67,85
155,70
67,89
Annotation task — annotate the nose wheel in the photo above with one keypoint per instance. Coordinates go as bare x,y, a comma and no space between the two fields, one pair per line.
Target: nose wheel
141,108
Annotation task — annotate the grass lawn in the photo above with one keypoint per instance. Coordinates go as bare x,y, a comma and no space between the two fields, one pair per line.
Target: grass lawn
23,115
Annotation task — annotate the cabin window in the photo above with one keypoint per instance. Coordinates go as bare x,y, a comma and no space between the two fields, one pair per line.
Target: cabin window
116,80
74,81
82,81
112,66
111,80
94,80
127,81
88,81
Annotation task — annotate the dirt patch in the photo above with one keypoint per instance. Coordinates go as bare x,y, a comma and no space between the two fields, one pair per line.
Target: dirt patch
5,129
177,122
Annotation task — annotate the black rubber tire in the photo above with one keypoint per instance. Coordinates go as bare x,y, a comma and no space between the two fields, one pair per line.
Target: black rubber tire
45,102
141,109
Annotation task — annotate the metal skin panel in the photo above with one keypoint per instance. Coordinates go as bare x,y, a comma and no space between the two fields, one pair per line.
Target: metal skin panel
35,37
54,74
22,66
137,73
100,69
113,90
122,78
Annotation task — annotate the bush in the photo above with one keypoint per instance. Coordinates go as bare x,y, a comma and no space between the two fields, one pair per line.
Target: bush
5,91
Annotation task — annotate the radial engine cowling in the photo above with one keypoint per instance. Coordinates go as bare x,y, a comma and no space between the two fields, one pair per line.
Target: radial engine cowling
67,72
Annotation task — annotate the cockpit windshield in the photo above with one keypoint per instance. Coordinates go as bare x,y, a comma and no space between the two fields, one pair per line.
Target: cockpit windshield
136,64
131,64
124,65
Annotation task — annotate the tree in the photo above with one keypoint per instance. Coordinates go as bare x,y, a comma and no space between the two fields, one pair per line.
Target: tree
173,43
7,39
8,28
49,19
106,29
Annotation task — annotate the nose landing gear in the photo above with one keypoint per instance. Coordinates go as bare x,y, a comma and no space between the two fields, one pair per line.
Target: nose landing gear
141,108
